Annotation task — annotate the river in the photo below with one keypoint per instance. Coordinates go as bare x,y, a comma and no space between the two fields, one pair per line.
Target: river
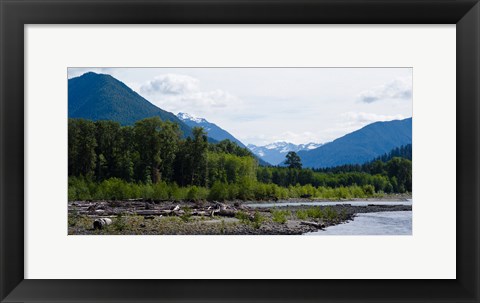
375,223
381,223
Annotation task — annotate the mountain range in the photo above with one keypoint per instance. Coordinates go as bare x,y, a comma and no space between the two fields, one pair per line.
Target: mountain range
102,97
275,153
360,146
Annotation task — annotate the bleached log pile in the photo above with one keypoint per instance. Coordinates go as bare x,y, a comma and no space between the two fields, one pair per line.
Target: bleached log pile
107,209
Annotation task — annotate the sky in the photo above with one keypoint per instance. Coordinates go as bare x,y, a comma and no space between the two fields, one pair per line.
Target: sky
265,105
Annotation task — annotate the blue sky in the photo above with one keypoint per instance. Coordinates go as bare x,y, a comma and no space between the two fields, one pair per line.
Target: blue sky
264,105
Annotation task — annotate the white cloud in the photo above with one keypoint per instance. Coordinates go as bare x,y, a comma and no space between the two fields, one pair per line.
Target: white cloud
288,136
357,120
297,138
399,89
215,98
170,84
175,92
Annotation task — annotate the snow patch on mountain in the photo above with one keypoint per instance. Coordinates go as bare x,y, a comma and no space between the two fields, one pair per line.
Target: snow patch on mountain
188,117
275,152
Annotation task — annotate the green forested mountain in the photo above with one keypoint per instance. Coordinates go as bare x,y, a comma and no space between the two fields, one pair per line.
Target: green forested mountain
102,97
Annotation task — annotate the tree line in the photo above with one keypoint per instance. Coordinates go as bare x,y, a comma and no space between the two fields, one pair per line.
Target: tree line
152,159
151,151
376,165
394,176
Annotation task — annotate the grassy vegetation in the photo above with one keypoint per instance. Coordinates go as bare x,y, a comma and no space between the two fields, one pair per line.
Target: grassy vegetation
258,219
247,219
258,222
139,225
116,189
325,214
119,224
186,215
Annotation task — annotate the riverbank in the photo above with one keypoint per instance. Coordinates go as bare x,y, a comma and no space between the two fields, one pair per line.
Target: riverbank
384,198
212,218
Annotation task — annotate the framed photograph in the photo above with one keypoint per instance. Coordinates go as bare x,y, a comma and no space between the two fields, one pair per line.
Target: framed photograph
239,151
244,159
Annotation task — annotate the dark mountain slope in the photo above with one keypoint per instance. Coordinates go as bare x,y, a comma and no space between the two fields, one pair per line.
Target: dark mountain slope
102,97
360,146
214,131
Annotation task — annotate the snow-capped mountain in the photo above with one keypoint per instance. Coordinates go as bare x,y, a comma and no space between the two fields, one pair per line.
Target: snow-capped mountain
214,131
275,153
185,116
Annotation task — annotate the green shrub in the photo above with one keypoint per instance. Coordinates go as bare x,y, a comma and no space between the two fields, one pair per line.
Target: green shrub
244,217
302,214
315,212
161,191
218,192
232,191
260,191
113,189
144,191
79,189
330,214
195,193
258,219
369,190
246,190
192,193
119,223
280,216
186,216
176,193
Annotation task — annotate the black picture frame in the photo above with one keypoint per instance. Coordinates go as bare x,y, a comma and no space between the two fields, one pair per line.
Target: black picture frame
14,14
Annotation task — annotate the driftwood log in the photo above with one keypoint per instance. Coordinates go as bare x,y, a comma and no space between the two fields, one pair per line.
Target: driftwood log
314,224
101,223
224,212
111,209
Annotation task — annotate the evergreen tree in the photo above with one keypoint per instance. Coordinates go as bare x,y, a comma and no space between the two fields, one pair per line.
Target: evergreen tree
196,152
293,160
169,136
109,148
148,144
82,158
